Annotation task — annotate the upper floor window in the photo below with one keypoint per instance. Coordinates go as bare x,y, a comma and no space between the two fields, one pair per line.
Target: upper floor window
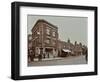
54,33
48,31
54,42
38,33
64,46
47,41
30,37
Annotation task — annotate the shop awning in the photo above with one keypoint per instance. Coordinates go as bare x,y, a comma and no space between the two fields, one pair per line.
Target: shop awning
66,50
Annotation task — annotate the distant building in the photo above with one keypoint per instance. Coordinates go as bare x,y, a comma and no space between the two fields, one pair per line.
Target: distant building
30,50
77,48
45,39
67,48
29,41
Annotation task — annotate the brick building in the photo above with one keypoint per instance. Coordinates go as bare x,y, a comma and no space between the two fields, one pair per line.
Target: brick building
68,48
77,48
45,39
65,48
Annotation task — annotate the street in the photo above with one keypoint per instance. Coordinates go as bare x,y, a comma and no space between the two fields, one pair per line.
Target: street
71,60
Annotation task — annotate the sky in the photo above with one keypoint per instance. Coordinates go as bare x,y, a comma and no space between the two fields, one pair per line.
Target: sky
74,28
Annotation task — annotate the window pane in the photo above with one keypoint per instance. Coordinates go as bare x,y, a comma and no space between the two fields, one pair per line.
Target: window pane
47,41
48,31
54,34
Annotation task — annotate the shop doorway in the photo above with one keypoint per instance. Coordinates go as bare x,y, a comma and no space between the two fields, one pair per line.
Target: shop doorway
48,53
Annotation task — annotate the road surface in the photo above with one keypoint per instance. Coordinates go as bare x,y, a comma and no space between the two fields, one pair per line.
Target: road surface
72,60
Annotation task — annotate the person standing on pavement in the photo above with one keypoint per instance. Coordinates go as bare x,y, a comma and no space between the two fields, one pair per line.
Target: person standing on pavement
86,57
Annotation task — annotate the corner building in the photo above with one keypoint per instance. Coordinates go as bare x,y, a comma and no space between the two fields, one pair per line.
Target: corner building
45,39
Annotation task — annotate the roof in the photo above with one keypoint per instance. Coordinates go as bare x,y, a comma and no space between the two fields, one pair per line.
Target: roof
42,20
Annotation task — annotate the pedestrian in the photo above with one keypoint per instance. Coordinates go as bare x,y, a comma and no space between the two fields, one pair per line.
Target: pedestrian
48,55
86,57
40,57
44,55
31,55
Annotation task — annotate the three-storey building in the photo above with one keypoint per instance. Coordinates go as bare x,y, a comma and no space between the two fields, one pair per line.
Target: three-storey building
45,39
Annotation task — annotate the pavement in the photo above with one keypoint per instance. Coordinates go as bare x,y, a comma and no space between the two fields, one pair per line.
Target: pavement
71,60
48,59
56,58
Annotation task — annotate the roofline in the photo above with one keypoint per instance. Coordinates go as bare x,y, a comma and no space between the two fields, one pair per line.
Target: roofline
42,20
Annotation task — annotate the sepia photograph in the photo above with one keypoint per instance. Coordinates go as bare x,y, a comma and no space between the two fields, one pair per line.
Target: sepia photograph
56,40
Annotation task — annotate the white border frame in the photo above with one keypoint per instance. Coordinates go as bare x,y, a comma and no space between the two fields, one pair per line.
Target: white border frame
24,70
